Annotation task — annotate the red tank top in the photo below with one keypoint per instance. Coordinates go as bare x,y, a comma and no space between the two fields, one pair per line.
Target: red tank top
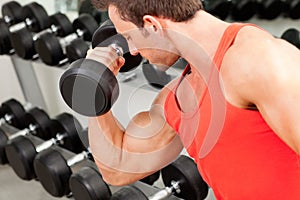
236,152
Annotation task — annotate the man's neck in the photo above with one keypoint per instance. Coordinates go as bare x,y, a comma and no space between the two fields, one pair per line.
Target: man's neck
198,39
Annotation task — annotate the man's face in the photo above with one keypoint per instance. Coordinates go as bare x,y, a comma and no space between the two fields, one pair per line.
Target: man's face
151,44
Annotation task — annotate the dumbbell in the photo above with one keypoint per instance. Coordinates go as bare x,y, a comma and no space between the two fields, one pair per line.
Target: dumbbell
87,184
294,10
220,9
23,40
12,12
270,9
22,150
243,10
13,113
87,7
51,49
182,178
53,168
292,35
34,17
37,121
158,78
89,87
77,49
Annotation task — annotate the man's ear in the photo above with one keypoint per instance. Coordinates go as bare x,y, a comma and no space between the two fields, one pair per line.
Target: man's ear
151,22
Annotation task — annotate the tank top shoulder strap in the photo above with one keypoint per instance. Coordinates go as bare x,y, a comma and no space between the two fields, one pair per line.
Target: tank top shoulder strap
227,40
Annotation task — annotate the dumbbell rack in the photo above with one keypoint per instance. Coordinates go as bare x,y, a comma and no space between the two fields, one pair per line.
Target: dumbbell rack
28,81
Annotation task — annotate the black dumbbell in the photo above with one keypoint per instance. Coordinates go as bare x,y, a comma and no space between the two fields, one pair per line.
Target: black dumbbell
89,87
35,18
87,7
13,113
23,40
220,9
181,178
51,49
37,122
12,13
294,10
87,184
157,78
77,49
22,150
243,10
54,167
271,9
292,35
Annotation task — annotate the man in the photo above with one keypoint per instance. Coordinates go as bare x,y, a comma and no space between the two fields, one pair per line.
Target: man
235,108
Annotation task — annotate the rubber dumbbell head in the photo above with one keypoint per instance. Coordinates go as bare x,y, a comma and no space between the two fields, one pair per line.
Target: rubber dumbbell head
89,87
243,10
271,9
11,12
77,49
88,184
3,142
292,35
13,113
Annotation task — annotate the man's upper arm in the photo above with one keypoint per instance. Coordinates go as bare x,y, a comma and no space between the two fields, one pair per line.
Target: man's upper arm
274,88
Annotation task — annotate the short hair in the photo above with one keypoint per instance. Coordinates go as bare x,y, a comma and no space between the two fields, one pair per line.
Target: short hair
134,10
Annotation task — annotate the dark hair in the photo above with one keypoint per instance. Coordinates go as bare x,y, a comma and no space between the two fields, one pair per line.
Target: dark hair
134,10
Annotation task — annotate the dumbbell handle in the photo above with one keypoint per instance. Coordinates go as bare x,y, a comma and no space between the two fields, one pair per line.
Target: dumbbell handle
168,191
5,119
53,141
79,157
30,130
52,29
27,22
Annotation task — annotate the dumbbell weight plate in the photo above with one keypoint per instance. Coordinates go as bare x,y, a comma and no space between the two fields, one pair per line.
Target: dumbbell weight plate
21,41
129,193
244,10
155,77
49,49
39,117
191,183
12,10
88,184
89,88
14,108
38,15
67,124
76,49
62,22
86,23
51,168
294,11
5,45
106,35
20,151
3,142
292,35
